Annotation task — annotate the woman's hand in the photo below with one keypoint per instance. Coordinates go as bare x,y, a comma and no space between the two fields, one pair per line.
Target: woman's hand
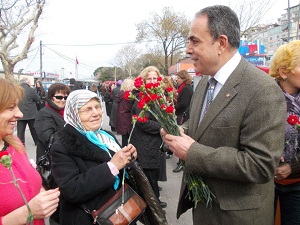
283,171
123,157
44,204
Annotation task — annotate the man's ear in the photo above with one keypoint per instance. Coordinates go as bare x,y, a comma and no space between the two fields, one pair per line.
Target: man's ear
223,40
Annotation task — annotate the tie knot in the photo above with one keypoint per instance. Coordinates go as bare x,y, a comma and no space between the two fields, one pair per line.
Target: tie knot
212,81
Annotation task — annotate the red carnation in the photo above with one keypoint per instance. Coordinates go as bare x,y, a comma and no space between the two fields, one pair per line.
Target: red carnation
127,95
138,82
170,109
2,153
142,119
153,97
149,86
141,103
293,119
169,89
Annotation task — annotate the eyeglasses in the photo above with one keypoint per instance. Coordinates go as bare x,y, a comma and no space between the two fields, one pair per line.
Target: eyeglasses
89,110
60,97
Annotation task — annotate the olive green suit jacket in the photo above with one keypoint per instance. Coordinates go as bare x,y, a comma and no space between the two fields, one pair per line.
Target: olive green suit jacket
238,145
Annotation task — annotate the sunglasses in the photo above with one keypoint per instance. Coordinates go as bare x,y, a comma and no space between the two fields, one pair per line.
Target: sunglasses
60,97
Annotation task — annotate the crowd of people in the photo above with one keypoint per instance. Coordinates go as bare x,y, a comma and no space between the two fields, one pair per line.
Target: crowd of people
238,129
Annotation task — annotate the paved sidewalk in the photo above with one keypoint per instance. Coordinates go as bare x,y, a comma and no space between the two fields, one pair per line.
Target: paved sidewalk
170,188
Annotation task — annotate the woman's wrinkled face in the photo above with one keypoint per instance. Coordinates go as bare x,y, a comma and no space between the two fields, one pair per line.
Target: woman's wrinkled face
152,77
91,115
59,99
8,119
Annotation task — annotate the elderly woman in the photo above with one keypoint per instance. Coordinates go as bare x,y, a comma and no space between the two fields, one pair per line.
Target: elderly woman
285,68
12,206
86,160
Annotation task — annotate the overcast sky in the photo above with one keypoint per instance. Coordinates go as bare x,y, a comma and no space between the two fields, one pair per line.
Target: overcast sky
93,30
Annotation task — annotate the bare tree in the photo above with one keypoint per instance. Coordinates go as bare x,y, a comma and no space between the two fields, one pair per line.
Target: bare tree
251,13
169,30
18,22
126,57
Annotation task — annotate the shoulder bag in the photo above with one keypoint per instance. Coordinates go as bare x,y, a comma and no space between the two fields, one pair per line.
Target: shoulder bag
124,208
44,168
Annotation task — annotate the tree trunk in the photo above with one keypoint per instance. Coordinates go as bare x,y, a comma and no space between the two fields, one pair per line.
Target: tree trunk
8,69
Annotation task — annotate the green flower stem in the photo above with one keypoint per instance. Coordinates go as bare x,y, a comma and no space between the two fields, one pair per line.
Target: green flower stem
30,215
133,126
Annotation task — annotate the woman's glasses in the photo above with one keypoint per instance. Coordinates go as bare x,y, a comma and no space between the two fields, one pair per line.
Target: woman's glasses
60,97
90,110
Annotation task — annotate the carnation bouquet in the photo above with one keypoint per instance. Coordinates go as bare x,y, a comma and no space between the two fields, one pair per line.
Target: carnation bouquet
6,161
152,98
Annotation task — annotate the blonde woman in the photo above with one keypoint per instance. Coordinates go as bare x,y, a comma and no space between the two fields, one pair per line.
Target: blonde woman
13,210
285,68
146,137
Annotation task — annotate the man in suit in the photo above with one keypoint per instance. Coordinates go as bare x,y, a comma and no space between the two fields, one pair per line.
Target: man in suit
28,107
235,143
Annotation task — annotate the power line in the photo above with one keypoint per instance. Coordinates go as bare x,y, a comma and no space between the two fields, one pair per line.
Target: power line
70,59
102,44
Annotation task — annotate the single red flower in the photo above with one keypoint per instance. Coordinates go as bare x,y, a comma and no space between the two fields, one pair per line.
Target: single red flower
142,119
138,82
127,95
170,109
163,106
149,85
2,153
293,119
153,97
141,103
169,89
159,79
156,85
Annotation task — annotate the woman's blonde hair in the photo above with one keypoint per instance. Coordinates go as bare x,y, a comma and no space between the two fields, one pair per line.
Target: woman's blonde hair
144,73
185,76
127,85
166,80
287,56
10,91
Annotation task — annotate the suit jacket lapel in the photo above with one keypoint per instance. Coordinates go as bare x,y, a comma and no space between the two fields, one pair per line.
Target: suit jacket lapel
226,94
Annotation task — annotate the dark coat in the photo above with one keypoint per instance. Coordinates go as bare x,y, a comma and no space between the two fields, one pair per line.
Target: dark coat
113,114
147,140
108,102
124,114
238,145
183,103
48,122
81,172
28,105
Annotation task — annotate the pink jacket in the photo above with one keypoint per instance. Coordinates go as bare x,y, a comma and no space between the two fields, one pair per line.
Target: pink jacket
29,181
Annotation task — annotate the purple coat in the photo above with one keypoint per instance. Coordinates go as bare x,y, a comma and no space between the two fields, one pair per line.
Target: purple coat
124,116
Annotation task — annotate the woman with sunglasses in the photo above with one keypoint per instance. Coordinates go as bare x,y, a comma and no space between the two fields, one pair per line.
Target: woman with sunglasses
50,120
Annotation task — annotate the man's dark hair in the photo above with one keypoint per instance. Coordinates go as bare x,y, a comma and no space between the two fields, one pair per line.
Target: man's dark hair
222,21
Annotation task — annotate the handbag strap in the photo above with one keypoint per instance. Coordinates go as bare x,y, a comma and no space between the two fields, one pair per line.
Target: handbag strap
50,144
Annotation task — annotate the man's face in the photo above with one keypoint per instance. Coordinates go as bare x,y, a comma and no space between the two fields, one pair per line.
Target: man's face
203,50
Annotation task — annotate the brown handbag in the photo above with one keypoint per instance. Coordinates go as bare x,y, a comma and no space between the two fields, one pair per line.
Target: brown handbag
124,208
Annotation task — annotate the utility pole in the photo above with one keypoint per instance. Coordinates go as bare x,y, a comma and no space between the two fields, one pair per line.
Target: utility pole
298,22
288,26
41,63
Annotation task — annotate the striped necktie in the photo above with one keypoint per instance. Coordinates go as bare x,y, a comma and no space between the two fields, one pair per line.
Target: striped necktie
210,92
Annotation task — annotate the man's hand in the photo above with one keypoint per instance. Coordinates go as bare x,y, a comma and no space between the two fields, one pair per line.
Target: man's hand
180,145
